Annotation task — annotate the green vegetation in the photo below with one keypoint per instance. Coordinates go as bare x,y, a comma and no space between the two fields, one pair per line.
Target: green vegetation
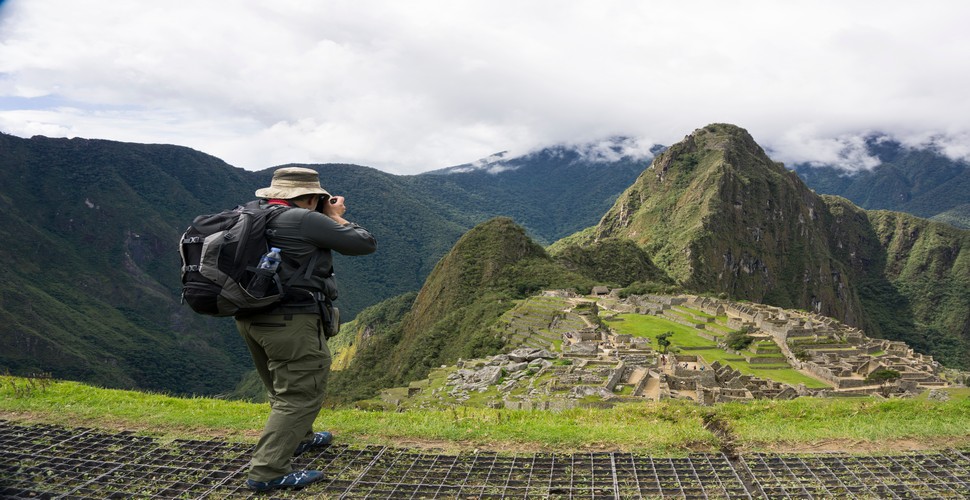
613,262
738,341
457,312
809,420
375,320
883,375
642,325
958,216
663,341
649,287
670,427
955,393
697,313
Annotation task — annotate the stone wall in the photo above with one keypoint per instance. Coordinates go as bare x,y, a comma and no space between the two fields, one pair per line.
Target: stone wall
615,376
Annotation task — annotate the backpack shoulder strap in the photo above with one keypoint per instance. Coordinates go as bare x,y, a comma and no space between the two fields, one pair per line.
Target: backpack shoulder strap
268,212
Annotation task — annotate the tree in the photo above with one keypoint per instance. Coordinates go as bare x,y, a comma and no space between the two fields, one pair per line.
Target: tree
739,340
663,341
885,377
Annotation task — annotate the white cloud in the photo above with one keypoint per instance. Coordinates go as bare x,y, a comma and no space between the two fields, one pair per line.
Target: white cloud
805,145
614,149
425,84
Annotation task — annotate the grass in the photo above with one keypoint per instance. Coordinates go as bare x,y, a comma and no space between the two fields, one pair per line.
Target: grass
642,325
961,392
788,376
666,428
719,327
695,312
857,420
669,427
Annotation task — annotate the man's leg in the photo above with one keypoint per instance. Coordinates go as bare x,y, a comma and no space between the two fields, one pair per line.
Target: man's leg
260,361
298,362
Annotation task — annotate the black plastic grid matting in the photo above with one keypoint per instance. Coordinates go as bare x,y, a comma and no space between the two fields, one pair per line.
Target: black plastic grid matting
43,461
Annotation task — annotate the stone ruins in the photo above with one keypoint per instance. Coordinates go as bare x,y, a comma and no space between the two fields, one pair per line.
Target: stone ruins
563,356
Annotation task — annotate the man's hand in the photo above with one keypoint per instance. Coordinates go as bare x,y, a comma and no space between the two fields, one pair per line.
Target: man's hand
335,209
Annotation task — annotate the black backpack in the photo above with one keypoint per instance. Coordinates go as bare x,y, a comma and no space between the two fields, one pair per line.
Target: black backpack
220,253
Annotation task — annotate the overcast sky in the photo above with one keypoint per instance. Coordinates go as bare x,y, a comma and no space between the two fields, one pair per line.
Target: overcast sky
410,86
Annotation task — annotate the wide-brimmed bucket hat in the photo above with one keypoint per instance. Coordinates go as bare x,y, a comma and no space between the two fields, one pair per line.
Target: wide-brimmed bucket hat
292,182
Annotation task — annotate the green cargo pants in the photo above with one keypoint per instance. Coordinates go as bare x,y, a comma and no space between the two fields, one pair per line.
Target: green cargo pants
293,360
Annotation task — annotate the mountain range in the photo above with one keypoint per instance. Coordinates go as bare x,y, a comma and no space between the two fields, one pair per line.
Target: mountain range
712,214
90,290
922,182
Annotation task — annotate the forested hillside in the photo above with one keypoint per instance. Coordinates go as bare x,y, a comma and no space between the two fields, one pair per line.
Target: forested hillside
90,288
922,182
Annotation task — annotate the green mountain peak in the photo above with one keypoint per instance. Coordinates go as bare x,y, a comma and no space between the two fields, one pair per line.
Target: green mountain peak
488,269
475,264
717,214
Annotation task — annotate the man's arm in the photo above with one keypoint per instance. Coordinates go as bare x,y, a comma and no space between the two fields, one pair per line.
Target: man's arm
345,238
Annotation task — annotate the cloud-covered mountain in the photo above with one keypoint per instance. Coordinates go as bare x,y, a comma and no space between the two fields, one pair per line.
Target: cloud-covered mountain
922,181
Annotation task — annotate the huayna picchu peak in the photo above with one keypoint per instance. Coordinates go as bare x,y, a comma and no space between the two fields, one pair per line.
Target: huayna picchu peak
717,214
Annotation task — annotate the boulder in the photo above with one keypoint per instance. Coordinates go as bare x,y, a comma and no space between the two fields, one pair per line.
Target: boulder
515,367
581,391
540,363
488,375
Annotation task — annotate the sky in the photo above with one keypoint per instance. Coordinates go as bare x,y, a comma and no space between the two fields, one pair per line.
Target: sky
416,85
